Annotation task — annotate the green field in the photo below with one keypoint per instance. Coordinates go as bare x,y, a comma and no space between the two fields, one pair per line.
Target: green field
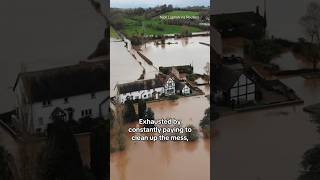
138,25
182,13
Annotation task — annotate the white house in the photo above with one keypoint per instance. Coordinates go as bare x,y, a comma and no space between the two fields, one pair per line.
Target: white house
183,89
169,86
233,86
143,89
80,90
243,90
162,85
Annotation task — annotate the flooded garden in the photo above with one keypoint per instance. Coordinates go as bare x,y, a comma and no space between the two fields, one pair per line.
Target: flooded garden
163,160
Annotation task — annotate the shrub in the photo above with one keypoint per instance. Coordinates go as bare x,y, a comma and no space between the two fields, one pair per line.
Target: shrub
206,131
129,114
193,135
173,97
262,50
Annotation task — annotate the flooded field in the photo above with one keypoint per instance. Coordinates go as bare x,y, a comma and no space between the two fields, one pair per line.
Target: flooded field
161,160
167,160
266,144
124,68
288,61
183,51
190,110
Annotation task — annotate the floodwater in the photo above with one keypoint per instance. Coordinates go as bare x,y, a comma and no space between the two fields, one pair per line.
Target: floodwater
288,61
160,160
266,144
44,34
167,160
190,110
124,68
269,143
184,51
282,16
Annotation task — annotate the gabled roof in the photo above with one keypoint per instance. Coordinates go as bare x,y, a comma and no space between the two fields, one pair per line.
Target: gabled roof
102,49
139,85
164,78
224,78
240,18
65,81
179,85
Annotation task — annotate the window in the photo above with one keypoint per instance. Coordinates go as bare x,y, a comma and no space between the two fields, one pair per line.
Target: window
46,103
40,121
170,84
86,112
170,91
66,100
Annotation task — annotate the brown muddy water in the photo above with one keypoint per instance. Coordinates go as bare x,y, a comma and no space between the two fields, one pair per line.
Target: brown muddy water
289,61
183,51
167,160
266,144
160,160
123,67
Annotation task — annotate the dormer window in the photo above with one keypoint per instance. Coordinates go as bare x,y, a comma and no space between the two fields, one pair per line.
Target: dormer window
66,100
46,103
93,95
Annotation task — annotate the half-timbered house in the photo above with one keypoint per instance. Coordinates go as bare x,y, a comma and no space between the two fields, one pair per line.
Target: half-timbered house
162,85
233,86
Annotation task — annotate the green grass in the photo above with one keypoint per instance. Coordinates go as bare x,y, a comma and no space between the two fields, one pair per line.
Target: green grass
113,33
181,13
137,25
136,28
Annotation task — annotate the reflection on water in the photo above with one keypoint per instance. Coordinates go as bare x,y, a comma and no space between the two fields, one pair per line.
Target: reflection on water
183,51
266,144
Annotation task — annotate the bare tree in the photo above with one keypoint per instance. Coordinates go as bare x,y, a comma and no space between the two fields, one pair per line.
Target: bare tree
311,22
311,25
